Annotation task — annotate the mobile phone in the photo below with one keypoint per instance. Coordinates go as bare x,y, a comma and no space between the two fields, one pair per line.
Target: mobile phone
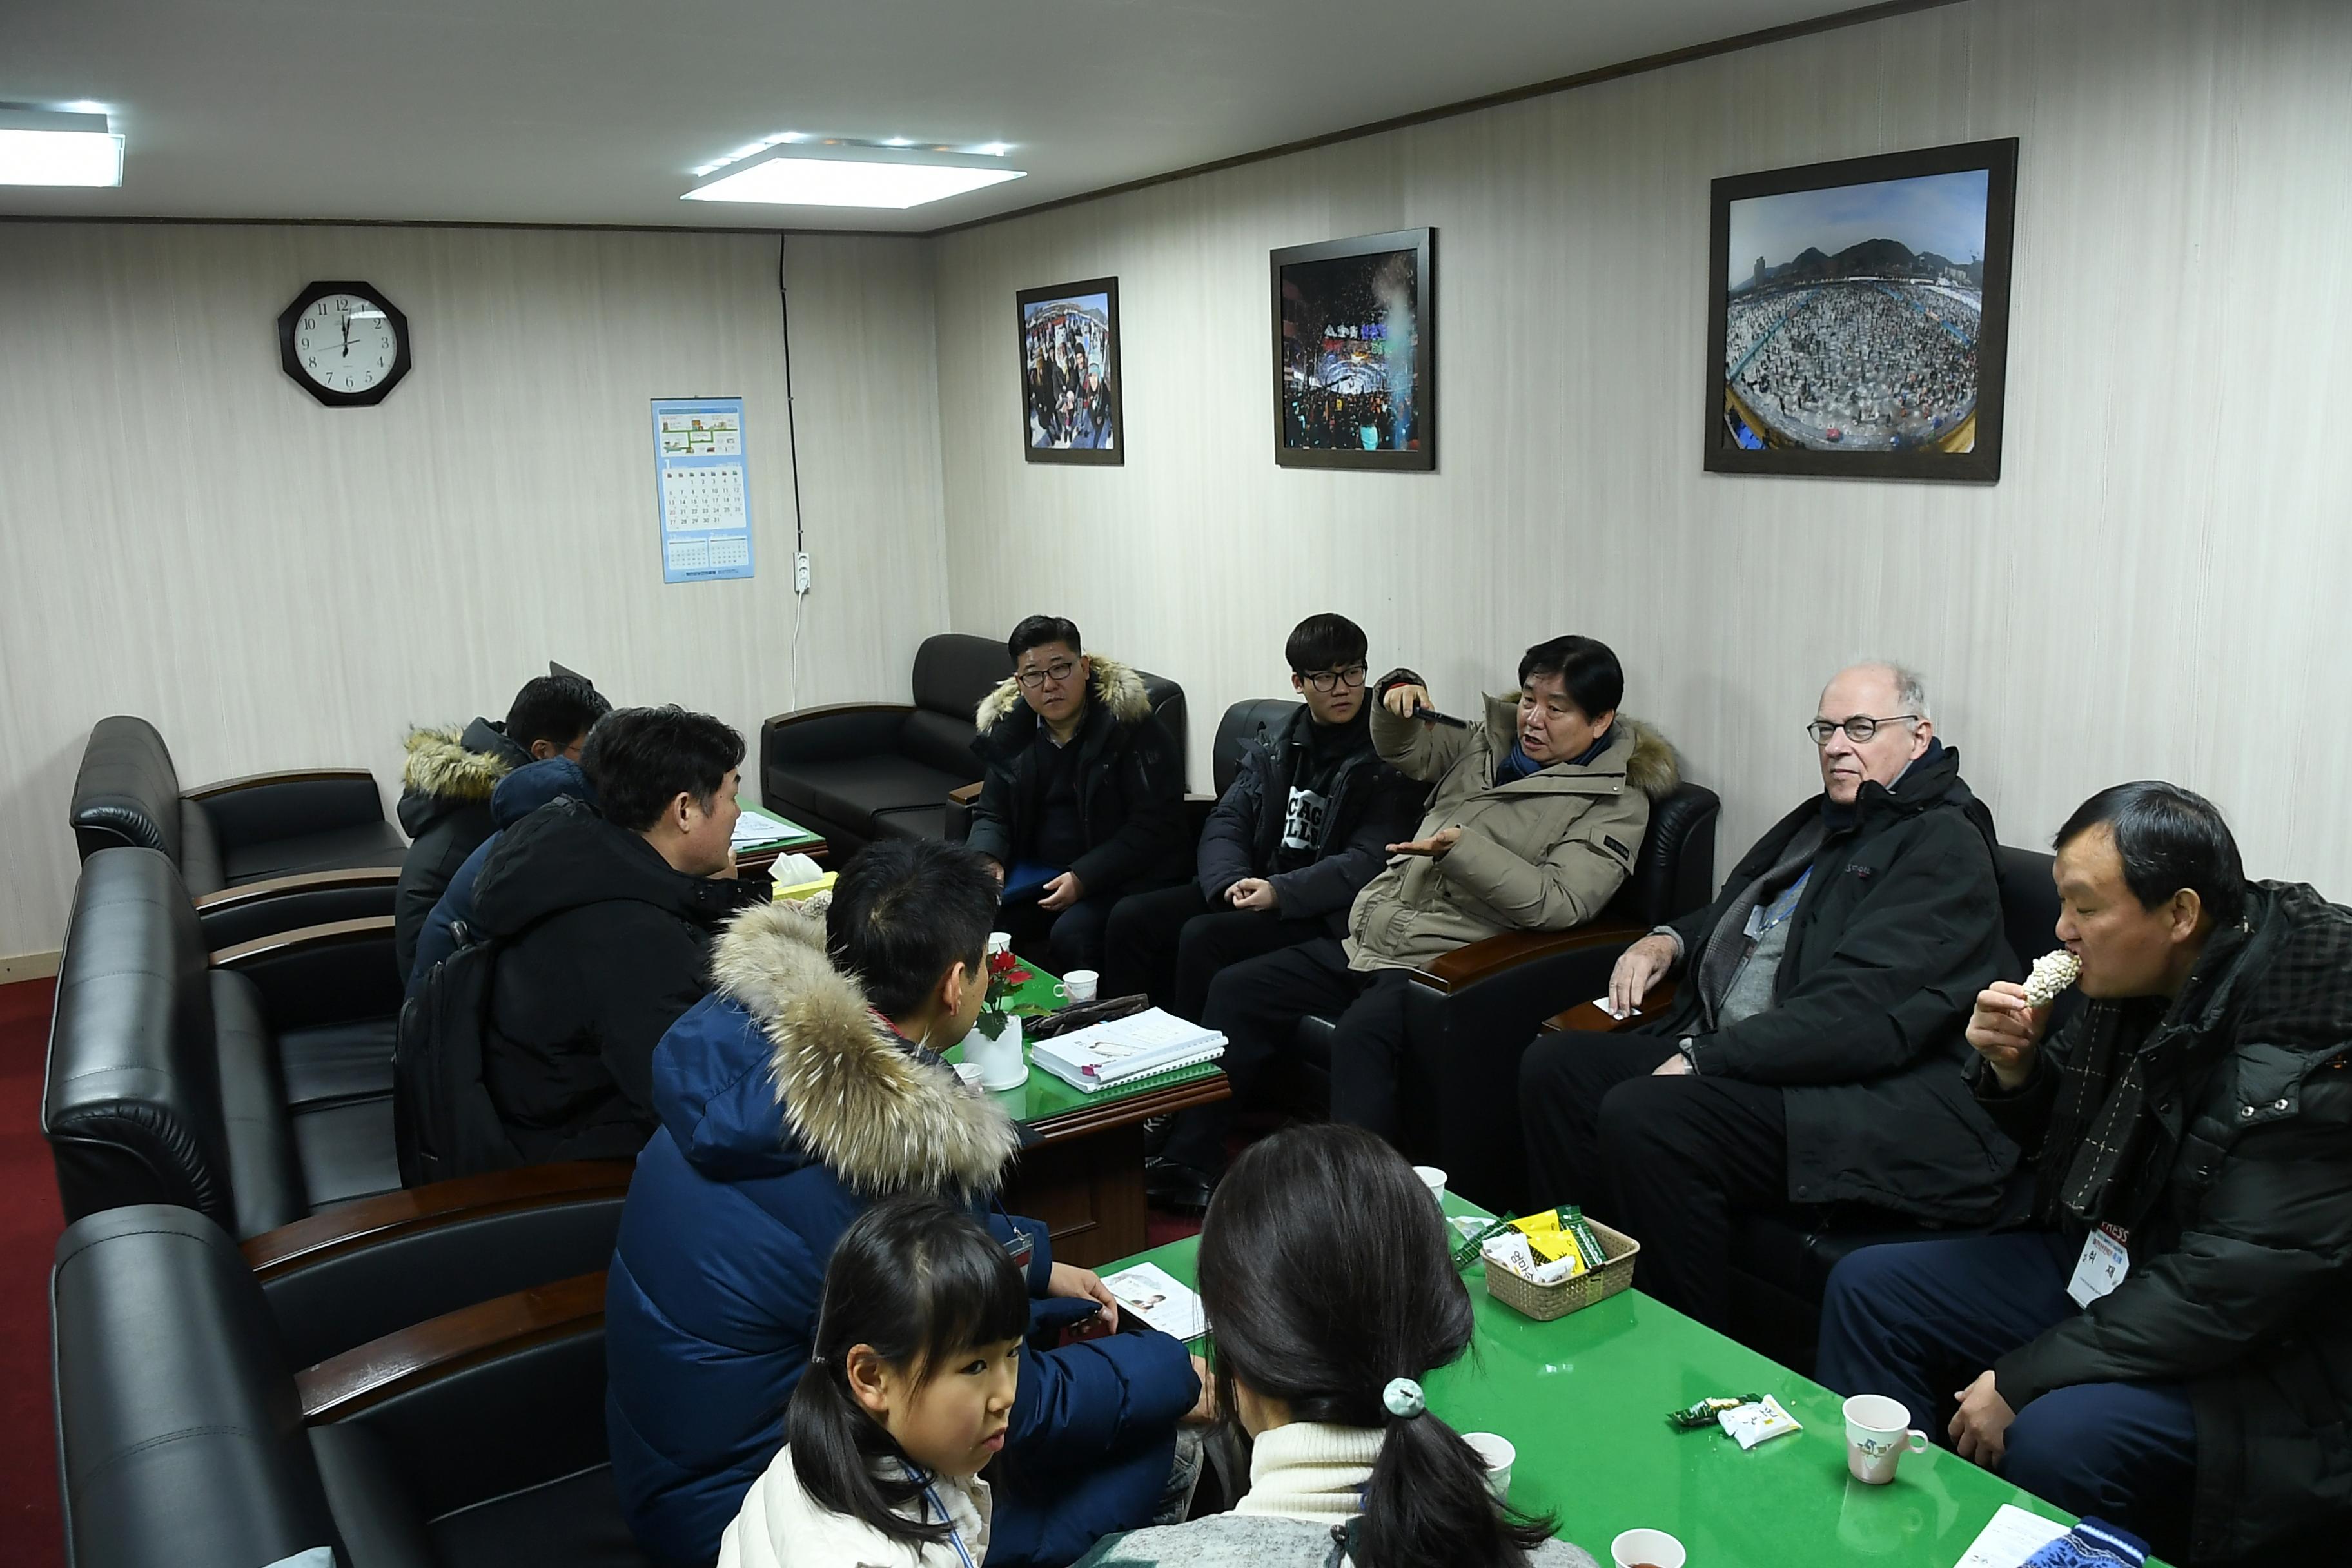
1432,716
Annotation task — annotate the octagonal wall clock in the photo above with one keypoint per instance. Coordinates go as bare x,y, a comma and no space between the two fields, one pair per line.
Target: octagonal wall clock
345,343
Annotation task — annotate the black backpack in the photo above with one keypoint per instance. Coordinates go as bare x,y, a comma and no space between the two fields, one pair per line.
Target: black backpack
444,1122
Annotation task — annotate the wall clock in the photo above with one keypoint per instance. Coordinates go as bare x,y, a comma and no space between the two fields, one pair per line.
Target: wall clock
345,343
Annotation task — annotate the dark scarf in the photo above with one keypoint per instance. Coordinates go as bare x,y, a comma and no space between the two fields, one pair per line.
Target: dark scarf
1728,944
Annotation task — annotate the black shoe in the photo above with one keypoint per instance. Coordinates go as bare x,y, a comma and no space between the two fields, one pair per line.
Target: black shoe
1180,1187
1156,1132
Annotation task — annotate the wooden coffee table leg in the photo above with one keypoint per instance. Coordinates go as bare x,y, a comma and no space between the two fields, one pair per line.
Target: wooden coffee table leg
1089,1191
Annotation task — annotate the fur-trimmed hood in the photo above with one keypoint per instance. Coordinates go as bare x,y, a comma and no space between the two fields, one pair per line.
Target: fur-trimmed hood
1649,766
1116,686
834,1088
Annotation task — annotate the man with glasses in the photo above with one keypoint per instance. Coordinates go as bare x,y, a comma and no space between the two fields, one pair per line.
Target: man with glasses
1811,1053
1305,824
1083,800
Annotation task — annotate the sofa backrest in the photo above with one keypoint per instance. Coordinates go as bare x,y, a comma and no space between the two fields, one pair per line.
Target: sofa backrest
1251,721
133,1107
1168,703
1674,870
2029,905
127,791
953,673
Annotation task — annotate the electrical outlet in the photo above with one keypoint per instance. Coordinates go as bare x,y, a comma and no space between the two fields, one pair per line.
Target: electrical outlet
799,573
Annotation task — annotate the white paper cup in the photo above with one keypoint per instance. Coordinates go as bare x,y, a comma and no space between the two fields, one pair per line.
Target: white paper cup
999,941
1494,1451
969,1073
1080,984
1877,1431
1647,1548
1435,1180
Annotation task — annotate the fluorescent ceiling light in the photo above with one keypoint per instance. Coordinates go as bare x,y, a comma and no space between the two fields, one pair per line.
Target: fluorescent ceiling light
849,177
44,147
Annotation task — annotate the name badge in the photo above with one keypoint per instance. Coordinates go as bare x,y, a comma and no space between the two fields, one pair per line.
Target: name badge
1021,1247
2101,1267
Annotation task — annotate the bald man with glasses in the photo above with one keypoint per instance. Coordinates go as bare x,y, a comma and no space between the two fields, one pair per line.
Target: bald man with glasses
1812,1051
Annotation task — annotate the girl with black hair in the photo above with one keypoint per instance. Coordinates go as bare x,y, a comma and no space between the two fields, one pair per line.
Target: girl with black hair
907,1396
1327,1276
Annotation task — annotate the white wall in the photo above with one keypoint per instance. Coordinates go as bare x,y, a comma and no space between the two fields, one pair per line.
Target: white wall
2152,588
186,535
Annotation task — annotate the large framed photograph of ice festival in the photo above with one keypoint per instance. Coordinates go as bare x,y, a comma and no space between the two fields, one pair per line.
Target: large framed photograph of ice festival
1858,316
1354,352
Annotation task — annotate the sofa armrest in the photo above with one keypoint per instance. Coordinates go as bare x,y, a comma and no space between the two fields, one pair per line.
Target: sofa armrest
361,1270
263,806
1487,959
444,1347
830,735
1587,1018
237,915
332,973
298,882
959,804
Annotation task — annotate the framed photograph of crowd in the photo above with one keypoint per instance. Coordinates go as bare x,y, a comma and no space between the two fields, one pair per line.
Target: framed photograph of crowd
1355,338
1858,316
1069,372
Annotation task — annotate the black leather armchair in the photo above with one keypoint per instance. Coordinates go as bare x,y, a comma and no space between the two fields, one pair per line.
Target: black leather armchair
257,855
1471,1013
857,772
188,1434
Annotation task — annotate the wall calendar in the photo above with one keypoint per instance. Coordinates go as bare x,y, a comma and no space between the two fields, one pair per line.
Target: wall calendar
702,489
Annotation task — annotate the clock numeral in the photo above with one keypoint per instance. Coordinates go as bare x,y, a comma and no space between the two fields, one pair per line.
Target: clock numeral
306,342
312,362
379,361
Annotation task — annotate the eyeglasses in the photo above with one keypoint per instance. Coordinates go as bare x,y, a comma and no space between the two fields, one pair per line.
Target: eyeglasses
1858,729
1332,679
1056,673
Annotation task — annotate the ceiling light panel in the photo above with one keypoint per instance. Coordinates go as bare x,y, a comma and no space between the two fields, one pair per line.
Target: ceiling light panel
44,147
838,176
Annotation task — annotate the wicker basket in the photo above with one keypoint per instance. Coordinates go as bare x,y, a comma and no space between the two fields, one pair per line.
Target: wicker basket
1545,1303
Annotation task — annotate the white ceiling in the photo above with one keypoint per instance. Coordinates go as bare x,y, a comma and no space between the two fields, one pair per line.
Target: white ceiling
596,112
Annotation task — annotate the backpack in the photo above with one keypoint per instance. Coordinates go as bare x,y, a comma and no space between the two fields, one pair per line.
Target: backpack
444,1122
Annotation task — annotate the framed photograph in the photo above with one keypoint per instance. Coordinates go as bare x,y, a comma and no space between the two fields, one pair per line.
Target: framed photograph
1355,360
1858,316
1070,374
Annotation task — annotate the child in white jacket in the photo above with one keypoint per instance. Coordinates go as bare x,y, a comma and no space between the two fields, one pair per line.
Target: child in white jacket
906,1398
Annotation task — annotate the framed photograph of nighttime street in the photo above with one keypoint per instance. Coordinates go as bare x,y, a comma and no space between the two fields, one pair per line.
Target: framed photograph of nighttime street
1354,352
1858,316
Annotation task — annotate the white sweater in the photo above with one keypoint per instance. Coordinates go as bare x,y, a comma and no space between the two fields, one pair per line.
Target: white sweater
781,1524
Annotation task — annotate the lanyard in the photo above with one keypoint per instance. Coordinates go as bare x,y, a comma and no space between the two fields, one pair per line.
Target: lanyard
955,1536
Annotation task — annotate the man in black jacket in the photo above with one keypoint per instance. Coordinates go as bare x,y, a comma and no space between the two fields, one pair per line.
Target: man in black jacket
1083,800
606,920
445,804
2169,1346
1814,1053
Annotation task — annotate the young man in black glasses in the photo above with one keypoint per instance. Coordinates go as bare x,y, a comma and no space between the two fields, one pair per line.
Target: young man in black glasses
1812,1054
1083,800
1305,824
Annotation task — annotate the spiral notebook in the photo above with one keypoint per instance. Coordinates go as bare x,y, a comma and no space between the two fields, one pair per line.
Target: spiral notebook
1140,1044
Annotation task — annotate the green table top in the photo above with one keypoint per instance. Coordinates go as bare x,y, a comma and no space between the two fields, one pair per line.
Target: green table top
1045,1097
1584,1399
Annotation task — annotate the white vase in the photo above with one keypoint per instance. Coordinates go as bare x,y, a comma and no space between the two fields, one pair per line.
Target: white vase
999,1058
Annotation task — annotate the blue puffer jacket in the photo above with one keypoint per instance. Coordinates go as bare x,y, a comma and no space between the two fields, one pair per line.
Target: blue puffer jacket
516,795
786,1107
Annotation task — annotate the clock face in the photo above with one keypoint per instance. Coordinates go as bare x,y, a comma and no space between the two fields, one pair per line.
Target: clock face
345,343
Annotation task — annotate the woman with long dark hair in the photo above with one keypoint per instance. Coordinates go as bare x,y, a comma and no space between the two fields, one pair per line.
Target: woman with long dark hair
1327,1275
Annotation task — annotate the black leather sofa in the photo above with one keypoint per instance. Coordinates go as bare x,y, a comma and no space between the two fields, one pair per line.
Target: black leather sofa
189,1434
258,854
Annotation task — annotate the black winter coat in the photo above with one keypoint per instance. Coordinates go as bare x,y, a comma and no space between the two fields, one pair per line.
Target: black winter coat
444,809
608,945
1130,784
2236,1195
1373,806
1894,936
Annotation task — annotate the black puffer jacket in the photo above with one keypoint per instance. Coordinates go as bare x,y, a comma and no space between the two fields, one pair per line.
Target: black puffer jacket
1130,784
1894,936
444,809
608,946
2234,1185
1371,806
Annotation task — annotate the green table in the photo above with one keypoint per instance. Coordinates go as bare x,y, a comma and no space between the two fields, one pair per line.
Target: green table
1584,1399
1082,1170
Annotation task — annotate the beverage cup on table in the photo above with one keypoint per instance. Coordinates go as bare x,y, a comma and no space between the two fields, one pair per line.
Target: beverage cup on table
1877,1431
1647,1548
1080,984
999,941
1496,1453
1435,1180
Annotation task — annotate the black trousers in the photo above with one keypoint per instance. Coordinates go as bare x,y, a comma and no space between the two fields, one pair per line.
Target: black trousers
1067,939
1672,1161
1169,944
1256,1004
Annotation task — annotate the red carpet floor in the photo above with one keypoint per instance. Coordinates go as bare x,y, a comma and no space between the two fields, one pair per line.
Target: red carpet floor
29,1223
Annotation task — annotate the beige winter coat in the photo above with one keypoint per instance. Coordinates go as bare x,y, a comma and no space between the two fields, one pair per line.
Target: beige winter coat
1541,853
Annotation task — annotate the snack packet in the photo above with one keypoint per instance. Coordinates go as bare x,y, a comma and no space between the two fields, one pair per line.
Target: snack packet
1758,1422
1701,1415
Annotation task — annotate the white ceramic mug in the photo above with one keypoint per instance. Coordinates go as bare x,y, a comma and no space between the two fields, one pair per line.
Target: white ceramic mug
1080,984
1647,1548
1877,1431
1496,1453
1435,1180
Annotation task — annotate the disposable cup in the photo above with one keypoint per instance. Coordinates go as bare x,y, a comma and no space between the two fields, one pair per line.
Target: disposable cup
1496,1453
1647,1548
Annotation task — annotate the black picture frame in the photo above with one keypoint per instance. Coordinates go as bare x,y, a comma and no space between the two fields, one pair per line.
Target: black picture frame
1301,272
1739,439
289,358
1086,413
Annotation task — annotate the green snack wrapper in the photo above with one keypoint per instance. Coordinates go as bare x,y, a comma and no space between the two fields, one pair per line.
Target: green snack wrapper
1701,1415
1571,1219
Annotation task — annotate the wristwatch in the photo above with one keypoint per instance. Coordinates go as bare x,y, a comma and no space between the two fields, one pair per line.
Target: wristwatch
1683,1049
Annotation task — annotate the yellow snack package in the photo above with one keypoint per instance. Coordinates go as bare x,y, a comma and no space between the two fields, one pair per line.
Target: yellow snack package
1552,1241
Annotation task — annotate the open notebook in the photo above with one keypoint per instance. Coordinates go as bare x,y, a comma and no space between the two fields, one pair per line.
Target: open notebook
1123,1049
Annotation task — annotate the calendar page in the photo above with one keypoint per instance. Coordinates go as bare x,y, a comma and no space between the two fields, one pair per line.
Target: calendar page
702,485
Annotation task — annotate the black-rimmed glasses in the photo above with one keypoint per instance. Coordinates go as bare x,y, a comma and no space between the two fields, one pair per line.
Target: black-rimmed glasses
1858,729
1056,673
1332,679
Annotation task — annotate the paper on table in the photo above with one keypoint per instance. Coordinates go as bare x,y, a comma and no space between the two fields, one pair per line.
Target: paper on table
756,826
2010,1537
1602,1003
1147,1290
